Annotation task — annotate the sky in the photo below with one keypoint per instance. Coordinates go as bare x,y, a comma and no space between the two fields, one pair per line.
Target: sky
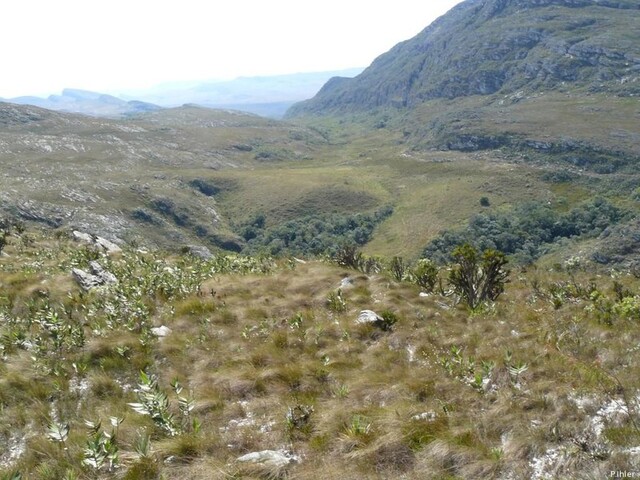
118,46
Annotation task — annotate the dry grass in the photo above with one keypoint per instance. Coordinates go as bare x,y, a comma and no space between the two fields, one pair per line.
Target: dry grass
447,393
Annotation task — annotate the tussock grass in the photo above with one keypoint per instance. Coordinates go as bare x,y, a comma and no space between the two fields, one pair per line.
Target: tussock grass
444,393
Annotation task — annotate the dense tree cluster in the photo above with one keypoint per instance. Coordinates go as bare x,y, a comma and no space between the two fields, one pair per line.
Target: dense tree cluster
311,235
526,231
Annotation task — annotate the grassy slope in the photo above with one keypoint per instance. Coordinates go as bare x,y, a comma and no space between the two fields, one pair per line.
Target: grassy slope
249,346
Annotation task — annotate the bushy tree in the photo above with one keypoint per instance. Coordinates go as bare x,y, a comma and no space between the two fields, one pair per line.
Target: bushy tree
478,277
425,274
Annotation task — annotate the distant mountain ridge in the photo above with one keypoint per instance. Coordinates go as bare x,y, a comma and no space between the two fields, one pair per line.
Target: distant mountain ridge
88,103
267,96
482,47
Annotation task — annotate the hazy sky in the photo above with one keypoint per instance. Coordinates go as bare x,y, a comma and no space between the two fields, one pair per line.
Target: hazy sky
111,46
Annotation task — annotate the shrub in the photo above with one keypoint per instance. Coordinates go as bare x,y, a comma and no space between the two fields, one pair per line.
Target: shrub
425,274
398,268
478,278
348,256
389,319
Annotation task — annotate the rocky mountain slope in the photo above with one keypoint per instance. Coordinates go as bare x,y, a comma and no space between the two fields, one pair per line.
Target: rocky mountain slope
483,47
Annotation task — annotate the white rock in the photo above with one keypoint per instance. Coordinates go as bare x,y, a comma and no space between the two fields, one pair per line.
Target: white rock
369,316
346,283
161,331
82,237
270,458
100,242
426,416
107,245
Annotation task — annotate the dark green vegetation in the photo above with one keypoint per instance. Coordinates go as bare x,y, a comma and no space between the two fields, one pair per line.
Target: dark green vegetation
528,231
311,235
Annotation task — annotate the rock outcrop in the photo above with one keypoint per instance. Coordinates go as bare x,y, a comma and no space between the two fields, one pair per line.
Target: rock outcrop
96,277
100,243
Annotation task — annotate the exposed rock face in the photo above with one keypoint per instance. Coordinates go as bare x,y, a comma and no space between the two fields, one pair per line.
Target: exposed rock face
482,47
97,277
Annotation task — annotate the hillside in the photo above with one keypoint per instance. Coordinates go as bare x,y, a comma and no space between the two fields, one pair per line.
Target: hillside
145,178
550,86
483,47
253,368
553,80
393,178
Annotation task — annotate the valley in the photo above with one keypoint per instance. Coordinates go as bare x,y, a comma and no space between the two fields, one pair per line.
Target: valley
428,271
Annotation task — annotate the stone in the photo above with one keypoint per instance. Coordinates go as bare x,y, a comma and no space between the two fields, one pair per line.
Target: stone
346,282
82,237
97,277
270,458
200,251
86,280
425,416
369,316
101,243
107,245
105,276
161,331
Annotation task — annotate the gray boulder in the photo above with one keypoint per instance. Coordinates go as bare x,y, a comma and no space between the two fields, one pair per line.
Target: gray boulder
200,251
369,316
99,242
96,277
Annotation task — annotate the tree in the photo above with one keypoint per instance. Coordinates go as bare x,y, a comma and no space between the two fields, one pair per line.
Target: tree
478,278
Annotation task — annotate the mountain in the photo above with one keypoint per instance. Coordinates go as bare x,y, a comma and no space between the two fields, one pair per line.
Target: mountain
398,179
88,103
483,47
269,96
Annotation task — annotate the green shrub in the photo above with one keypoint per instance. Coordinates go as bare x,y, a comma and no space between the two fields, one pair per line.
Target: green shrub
478,278
425,274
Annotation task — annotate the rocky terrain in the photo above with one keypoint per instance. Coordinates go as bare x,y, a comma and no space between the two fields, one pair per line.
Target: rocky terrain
483,47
